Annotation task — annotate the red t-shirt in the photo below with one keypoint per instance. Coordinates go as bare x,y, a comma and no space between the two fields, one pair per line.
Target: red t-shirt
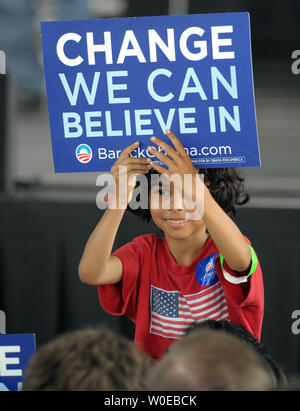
163,298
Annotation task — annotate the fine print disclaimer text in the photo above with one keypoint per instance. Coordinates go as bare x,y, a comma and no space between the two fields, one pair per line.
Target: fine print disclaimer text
135,400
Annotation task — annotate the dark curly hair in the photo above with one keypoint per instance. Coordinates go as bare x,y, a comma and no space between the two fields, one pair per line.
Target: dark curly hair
226,185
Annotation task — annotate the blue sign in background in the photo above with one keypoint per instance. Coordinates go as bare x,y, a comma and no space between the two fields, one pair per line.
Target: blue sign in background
16,351
110,90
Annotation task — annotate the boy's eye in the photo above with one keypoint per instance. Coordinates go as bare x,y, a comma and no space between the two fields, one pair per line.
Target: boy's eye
163,192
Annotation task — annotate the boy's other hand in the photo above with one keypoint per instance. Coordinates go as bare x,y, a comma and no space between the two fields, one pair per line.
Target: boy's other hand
178,162
127,168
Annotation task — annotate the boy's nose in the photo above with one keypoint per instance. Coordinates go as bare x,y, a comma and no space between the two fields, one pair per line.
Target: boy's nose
176,202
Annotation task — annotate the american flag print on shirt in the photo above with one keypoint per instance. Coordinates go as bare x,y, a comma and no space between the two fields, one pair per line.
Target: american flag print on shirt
172,312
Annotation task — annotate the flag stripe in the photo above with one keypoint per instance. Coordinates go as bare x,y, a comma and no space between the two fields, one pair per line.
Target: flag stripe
185,303
208,301
179,324
206,297
166,335
203,292
204,307
172,332
183,325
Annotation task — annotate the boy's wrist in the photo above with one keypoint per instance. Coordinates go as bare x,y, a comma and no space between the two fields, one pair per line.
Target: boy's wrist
116,212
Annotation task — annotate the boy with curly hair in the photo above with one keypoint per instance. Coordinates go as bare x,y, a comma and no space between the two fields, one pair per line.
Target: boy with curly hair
203,268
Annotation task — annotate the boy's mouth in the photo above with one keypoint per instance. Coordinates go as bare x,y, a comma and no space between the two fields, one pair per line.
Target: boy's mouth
176,223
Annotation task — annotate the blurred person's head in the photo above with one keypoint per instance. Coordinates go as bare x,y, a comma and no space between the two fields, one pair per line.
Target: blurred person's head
209,360
238,331
92,359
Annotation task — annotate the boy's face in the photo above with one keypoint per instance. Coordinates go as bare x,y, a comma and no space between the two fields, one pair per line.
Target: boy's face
170,214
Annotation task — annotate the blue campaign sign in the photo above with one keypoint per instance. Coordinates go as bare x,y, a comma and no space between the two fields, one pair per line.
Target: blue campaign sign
111,82
15,352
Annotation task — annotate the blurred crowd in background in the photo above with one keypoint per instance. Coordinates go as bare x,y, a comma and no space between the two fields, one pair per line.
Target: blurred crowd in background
212,356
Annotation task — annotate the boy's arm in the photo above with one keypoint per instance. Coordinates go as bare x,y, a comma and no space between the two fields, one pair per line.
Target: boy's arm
226,235
97,266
